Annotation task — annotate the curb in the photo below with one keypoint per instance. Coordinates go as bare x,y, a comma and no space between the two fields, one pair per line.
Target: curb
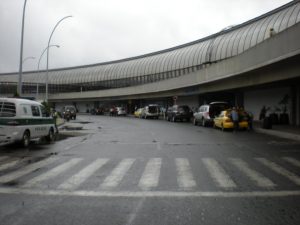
291,136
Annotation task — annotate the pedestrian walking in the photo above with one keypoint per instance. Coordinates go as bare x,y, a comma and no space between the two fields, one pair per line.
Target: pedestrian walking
262,113
235,119
250,120
55,116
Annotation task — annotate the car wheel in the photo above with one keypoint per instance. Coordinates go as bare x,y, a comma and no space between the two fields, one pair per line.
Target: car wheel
26,139
50,137
195,122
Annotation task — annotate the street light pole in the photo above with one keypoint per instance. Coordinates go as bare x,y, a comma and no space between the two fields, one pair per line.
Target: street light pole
38,68
46,97
30,57
21,53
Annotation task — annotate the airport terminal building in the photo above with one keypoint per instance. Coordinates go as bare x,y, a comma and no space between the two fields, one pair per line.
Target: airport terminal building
253,64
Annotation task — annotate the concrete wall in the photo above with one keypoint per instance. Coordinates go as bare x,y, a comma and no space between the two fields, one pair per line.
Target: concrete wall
256,99
192,101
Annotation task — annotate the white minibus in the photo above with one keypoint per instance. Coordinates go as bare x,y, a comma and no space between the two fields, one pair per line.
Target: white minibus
23,120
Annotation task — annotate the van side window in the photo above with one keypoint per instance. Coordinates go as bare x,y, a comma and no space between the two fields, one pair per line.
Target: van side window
25,110
7,109
35,110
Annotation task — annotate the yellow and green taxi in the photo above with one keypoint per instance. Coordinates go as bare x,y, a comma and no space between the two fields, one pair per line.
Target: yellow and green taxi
224,120
138,112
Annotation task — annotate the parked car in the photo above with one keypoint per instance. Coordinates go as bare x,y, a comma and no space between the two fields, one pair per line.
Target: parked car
150,111
121,111
206,113
23,120
179,112
69,111
138,112
224,120
97,111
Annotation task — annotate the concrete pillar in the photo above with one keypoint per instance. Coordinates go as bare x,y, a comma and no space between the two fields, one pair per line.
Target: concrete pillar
297,106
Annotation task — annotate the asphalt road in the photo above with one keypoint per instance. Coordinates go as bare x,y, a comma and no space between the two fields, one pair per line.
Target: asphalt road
127,171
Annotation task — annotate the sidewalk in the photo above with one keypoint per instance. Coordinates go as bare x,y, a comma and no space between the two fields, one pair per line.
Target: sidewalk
283,131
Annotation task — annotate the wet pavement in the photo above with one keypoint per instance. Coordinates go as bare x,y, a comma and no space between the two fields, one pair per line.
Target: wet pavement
137,171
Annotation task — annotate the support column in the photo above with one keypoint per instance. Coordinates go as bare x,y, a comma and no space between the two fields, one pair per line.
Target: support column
297,106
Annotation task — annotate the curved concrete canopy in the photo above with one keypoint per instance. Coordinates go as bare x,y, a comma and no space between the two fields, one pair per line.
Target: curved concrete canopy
174,62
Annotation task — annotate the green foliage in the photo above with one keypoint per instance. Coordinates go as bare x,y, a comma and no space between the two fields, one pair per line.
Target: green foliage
16,95
47,106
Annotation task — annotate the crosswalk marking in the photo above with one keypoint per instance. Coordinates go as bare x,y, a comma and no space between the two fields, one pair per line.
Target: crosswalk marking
292,161
150,177
185,177
2,158
52,173
280,170
26,170
8,165
219,175
84,174
258,178
117,174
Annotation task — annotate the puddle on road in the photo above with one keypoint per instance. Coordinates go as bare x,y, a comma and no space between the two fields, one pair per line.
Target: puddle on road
82,122
11,183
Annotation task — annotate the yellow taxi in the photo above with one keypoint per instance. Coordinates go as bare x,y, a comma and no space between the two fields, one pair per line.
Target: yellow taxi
224,120
138,112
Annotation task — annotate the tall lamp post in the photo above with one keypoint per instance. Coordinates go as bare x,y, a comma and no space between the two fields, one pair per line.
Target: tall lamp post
30,57
21,53
38,68
46,97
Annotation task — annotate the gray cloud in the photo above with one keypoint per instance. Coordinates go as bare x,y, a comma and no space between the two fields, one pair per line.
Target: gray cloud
105,30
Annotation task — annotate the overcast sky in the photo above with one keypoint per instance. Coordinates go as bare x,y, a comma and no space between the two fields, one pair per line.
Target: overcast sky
105,30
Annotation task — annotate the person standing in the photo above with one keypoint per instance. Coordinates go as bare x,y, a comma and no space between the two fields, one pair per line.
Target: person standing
235,119
55,116
262,113
250,120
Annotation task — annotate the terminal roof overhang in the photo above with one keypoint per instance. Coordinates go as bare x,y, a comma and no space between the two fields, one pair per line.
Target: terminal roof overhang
212,49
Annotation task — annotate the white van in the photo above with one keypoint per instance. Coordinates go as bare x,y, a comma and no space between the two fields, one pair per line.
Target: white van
22,120
150,111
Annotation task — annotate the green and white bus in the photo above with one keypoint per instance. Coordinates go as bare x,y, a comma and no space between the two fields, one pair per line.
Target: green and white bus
23,120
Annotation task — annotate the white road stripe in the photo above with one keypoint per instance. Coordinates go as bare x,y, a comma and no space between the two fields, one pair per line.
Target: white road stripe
218,174
2,158
152,194
185,177
292,161
117,174
84,174
52,173
8,165
258,178
26,170
150,177
280,170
